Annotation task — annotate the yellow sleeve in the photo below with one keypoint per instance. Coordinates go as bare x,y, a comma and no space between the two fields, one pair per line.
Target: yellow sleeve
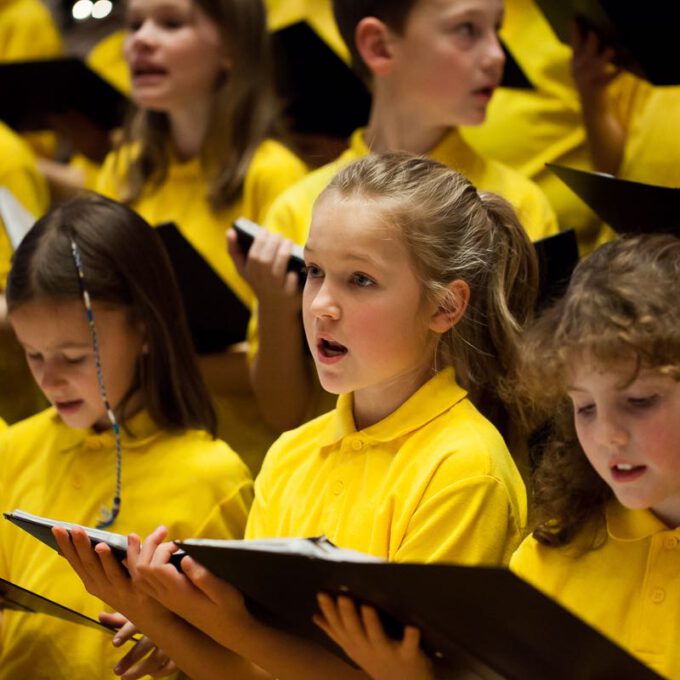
28,31
20,174
468,522
228,519
273,169
109,180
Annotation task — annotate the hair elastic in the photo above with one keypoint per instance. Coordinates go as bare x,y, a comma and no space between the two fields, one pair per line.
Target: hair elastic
108,516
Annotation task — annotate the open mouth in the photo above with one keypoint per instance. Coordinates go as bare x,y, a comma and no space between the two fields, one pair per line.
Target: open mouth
148,70
68,405
330,349
623,472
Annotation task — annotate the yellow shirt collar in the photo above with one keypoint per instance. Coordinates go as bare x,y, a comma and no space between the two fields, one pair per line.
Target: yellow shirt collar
451,151
437,395
140,430
624,524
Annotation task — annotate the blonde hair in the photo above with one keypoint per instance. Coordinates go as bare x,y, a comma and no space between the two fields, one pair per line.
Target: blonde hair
244,110
455,232
621,309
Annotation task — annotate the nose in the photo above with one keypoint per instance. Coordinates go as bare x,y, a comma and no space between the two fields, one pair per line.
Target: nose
494,56
611,431
321,300
144,35
50,377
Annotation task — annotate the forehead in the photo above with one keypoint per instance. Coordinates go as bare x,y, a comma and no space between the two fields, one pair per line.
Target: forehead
354,224
160,5
48,323
455,7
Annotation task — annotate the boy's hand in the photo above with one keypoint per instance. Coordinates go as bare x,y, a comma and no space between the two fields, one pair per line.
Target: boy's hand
591,65
362,637
265,268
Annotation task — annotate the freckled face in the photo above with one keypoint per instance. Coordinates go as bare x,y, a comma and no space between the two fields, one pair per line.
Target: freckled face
631,434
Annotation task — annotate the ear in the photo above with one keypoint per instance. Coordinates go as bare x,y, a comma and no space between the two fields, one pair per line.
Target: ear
373,42
451,309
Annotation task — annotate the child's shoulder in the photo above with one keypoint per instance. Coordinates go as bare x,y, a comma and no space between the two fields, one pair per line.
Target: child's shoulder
203,452
532,205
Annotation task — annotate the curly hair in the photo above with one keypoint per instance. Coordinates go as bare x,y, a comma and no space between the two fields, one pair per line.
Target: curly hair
621,309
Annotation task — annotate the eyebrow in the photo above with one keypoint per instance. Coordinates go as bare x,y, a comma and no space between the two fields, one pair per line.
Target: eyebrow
62,346
348,256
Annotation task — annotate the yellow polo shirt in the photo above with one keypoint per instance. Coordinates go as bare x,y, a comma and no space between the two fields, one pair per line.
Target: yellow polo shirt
432,482
629,588
19,173
194,485
653,144
526,128
291,213
27,31
182,199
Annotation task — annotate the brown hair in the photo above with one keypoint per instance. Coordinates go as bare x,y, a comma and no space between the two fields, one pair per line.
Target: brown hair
348,14
621,309
244,110
454,232
125,265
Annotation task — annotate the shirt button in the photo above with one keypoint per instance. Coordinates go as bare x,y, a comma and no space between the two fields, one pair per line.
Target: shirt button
357,444
670,542
658,595
337,488
77,481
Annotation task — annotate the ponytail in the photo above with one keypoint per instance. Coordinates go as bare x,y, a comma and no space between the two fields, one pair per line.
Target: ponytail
455,233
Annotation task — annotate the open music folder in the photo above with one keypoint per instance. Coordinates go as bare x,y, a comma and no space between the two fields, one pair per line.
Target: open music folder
34,90
480,620
626,206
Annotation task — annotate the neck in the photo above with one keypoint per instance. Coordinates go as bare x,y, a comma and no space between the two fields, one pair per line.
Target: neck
188,127
373,404
394,125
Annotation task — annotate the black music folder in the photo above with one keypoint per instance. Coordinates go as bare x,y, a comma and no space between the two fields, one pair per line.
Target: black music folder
513,75
644,35
32,91
628,207
41,528
19,599
217,318
480,619
321,93
557,257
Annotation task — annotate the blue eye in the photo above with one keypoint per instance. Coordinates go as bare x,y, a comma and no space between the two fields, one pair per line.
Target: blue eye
311,271
362,280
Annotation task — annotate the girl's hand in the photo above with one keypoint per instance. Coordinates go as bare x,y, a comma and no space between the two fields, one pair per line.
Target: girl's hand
207,602
591,65
104,577
362,637
265,268
145,658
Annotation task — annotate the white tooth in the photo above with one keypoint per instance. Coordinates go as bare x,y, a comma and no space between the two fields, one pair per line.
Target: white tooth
624,466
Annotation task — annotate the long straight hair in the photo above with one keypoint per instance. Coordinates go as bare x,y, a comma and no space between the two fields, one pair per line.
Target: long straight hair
125,265
244,110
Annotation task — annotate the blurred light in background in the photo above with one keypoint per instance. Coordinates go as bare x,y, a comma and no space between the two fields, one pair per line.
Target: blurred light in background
86,9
